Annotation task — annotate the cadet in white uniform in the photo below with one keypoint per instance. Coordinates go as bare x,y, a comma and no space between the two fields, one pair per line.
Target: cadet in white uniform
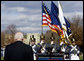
74,51
65,49
42,45
34,47
62,46
53,43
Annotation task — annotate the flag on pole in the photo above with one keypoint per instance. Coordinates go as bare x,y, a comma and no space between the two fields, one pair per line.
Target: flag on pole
48,19
61,17
69,33
54,17
62,20
44,19
65,24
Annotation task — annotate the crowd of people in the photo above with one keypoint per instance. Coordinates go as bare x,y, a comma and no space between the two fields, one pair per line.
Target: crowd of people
71,51
20,51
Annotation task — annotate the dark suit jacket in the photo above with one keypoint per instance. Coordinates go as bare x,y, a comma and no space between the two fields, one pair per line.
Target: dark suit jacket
18,51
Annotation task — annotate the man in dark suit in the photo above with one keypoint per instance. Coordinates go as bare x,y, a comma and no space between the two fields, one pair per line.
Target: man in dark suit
18,50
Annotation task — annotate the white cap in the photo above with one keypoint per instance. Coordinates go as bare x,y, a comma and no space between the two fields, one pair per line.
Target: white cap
73,40
41,42
19,36
52,42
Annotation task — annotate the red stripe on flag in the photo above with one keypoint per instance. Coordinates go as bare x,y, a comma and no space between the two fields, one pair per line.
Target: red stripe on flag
55,30
44,19
44,24
48,18
44,15
59,28
49,22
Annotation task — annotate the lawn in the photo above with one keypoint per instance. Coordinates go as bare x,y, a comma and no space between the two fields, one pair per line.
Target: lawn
2,58
81,57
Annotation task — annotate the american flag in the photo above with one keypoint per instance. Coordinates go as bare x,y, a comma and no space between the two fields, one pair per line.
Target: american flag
46,20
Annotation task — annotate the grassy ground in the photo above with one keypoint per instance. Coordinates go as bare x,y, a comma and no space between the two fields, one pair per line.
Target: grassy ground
2,58
81,57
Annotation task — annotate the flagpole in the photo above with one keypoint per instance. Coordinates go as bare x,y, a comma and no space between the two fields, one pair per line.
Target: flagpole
42,19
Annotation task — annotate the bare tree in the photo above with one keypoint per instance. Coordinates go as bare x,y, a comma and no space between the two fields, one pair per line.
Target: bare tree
48,35
9,33
11,29
2,39
77,29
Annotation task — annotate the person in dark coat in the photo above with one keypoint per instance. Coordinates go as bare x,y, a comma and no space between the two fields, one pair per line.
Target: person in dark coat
18,50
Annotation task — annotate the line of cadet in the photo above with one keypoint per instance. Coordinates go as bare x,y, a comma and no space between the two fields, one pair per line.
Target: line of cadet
71,52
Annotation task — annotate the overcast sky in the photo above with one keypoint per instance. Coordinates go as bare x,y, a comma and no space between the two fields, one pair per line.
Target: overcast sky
26,15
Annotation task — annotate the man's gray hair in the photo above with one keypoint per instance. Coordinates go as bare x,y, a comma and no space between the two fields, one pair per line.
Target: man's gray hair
18,35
